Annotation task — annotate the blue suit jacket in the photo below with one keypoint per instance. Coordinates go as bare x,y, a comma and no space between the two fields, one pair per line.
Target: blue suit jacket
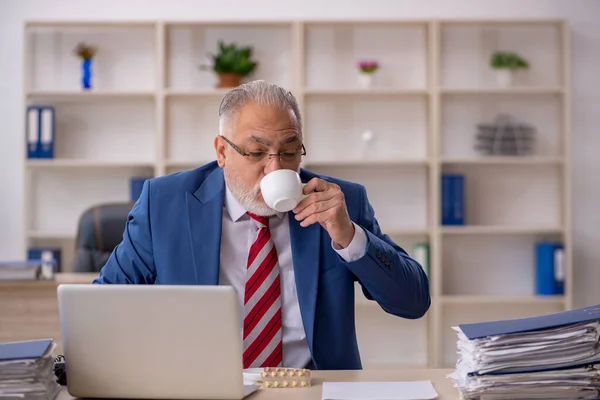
173,236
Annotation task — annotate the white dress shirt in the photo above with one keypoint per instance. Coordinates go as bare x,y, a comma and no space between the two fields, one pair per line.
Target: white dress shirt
238,234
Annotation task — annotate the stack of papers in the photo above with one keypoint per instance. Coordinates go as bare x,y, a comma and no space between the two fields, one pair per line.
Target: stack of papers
27,370
555,356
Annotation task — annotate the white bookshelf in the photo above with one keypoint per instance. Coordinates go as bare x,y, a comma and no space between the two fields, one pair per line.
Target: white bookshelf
152,111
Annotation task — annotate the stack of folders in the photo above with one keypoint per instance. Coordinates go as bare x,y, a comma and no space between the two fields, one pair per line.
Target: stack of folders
27,370
27,270
554,356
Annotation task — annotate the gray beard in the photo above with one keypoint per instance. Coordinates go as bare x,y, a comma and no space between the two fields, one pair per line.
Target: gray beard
248,198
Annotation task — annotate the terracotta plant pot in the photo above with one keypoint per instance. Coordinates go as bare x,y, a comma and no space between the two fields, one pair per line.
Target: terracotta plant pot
229,80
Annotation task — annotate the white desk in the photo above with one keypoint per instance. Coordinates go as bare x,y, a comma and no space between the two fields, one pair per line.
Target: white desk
443,385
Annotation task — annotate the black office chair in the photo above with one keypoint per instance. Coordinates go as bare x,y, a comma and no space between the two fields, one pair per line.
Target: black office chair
100,231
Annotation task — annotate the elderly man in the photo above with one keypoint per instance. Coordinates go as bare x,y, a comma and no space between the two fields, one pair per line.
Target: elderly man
294,272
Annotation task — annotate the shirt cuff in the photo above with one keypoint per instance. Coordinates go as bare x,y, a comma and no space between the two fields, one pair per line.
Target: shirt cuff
357,247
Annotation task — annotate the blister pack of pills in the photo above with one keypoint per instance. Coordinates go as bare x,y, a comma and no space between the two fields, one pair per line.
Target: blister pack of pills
285,378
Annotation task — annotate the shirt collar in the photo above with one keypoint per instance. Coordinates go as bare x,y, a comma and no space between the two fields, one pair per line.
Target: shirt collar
235,210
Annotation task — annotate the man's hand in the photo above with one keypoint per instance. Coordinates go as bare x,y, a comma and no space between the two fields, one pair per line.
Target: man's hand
326,205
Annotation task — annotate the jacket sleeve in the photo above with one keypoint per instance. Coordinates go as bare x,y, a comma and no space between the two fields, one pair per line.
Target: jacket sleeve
387,273
132,260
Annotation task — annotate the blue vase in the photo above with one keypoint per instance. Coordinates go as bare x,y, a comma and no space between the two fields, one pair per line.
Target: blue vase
86,74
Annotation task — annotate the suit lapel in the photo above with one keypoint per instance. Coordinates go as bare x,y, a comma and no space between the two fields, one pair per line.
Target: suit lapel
205,213
305,257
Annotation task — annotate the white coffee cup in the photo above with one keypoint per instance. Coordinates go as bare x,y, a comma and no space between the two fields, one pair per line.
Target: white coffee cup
282,189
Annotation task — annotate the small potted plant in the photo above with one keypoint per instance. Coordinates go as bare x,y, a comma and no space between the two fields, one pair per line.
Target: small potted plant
506,64
86,53
231,64
367,69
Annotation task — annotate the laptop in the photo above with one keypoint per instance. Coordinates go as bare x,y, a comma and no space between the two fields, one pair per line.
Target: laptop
152,341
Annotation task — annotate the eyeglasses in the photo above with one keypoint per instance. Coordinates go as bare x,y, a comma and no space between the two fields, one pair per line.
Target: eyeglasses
286,157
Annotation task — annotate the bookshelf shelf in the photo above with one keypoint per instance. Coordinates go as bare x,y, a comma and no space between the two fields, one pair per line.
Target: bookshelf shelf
51,235
504,160
82,163
90,24
488,299
398,125
504,91
499,230
366,163
190,164
389,182
365,92
195,93
408,232
153,111
186,47
49,95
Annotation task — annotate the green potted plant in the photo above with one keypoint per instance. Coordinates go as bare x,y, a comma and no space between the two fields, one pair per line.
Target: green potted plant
506,64
231,64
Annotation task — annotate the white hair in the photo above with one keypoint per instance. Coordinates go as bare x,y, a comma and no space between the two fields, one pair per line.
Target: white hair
260,92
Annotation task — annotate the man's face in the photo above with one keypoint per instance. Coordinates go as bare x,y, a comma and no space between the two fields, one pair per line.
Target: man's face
257,129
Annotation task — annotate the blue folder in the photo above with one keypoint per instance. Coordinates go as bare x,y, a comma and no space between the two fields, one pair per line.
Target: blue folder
556,320
32,125
47,126
446,200
453,199
29,350
458,199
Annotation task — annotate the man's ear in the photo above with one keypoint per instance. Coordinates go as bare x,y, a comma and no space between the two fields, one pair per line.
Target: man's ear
220,151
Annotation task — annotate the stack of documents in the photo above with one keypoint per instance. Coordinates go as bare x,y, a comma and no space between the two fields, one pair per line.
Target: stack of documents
27,370
20,270
555,356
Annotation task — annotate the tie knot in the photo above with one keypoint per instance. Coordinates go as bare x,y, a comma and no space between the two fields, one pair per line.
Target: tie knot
264,221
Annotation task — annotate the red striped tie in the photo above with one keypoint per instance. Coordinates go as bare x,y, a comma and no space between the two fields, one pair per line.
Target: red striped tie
262,301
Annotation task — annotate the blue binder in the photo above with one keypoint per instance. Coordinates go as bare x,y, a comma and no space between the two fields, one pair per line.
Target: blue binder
32,128
458,199
549,269
47,124
29,350
446,199
453,199
544,277
564,318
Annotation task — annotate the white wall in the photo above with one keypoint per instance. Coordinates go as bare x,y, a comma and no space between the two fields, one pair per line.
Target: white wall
584,16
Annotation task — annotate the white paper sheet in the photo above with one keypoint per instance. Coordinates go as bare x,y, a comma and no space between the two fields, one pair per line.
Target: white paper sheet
413,390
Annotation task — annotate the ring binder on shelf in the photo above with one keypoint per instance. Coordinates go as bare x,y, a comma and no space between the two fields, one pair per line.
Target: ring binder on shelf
40,126
47,132
33,131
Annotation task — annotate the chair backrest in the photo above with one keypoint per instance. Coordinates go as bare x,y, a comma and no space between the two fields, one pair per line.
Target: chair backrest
100,230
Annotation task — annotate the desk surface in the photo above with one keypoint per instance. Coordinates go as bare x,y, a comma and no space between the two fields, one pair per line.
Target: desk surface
443,385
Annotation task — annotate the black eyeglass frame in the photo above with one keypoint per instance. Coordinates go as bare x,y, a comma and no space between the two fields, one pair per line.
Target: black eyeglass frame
243,153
